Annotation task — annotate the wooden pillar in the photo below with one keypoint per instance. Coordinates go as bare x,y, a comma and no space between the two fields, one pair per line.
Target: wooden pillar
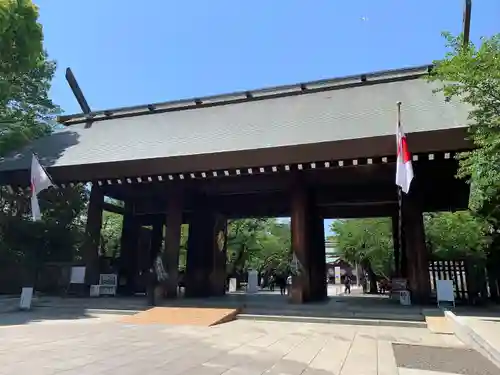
143,252
172,242
219,249
317,257
93,235
416,249
300,214
128,251
200,252
397,249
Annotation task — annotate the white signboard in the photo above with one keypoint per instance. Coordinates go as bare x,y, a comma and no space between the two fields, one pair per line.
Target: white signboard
337,275
232,285
404,298
26,297
108,279
107,284
252,285
445,291
77,275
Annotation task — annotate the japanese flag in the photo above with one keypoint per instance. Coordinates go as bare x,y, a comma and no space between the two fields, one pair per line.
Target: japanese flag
40,181
404,168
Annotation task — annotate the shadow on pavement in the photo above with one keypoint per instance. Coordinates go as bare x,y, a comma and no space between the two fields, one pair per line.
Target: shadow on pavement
354,306
57,308
42,314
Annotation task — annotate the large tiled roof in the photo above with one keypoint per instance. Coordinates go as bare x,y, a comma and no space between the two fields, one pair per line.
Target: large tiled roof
316,112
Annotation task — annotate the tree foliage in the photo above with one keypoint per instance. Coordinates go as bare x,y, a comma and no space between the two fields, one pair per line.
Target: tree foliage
368,242
27,113
261,244
111,233
456,235
20,36
25,244
472,75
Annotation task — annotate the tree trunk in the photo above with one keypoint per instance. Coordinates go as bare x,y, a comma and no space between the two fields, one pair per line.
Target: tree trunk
372,278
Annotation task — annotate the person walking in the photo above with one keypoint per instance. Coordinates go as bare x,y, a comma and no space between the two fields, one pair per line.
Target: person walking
280,280
272,281
347,284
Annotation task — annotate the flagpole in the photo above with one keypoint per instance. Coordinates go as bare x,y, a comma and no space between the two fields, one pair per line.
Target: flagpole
400,204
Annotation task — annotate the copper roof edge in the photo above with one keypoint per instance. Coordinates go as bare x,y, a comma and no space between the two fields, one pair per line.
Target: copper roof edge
250,95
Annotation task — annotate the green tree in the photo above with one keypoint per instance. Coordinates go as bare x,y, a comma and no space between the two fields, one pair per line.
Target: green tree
244,243
367,242
449,235
111,233
20,37
27,113
183,247
57,238
472,74
275,242
261,244
456,235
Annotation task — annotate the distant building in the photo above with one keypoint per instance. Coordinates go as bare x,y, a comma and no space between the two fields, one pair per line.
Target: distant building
333,261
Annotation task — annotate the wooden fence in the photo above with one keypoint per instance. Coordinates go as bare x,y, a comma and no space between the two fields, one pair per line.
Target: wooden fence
469,279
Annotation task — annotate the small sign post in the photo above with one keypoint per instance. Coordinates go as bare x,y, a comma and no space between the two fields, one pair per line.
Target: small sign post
26,298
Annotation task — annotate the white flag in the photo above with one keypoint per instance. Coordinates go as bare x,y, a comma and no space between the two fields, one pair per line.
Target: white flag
40,181
404,168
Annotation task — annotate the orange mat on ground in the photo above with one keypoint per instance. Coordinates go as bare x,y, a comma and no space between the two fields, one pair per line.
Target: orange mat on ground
183,316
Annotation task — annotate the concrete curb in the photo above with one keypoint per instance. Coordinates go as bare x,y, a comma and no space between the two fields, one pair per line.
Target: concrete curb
90,311
469,337
344,321
112,312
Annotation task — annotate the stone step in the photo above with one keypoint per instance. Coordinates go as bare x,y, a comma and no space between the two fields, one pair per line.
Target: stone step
333,320
342,314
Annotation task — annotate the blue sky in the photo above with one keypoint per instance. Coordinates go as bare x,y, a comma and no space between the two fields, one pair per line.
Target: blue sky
124,53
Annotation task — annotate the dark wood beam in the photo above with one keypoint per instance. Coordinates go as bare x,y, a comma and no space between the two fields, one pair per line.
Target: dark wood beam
363,200
113,208
334,178
466,22
77,91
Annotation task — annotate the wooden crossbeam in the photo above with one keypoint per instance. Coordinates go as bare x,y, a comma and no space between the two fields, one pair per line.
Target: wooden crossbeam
77,91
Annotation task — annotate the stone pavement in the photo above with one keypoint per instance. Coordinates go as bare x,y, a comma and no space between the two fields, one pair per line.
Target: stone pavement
67,346
479,329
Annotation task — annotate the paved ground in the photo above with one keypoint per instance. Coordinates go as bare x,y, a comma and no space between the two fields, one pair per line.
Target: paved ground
487,328
104,346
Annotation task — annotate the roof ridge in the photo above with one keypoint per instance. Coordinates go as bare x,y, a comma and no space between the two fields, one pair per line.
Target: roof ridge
377,77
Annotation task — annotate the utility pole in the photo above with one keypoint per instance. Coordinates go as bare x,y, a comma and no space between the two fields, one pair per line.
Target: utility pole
466,22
